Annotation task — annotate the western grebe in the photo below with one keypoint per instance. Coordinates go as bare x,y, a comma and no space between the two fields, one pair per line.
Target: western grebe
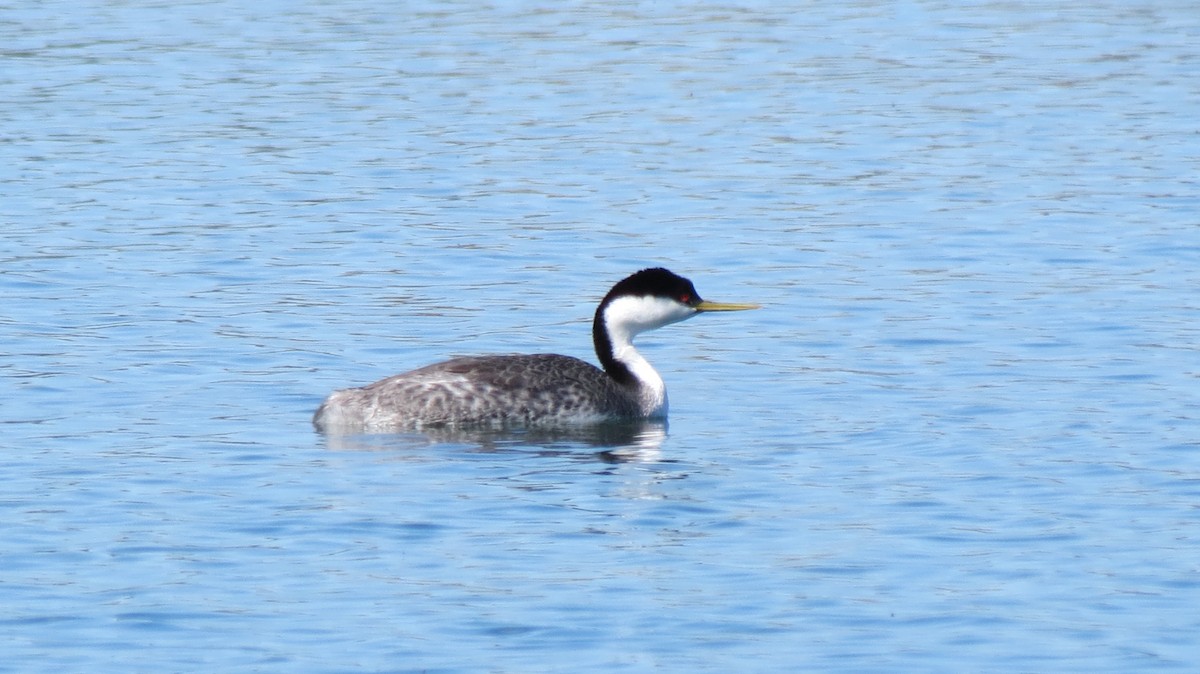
536,389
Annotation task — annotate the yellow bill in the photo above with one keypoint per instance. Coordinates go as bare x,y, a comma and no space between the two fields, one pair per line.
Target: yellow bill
705,305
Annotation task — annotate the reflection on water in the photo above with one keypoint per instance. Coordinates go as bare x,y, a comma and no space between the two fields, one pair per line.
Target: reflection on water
611,441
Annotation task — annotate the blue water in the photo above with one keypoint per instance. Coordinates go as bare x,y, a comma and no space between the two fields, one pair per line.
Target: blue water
963,434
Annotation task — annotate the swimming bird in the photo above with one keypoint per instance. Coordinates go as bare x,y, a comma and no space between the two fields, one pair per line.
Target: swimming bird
540,389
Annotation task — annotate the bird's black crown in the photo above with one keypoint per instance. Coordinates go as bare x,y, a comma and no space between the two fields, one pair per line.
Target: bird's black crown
655,282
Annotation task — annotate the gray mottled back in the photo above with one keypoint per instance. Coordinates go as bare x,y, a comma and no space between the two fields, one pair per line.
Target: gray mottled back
492,390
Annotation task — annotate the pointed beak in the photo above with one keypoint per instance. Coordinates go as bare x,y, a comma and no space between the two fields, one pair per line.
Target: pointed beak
705,305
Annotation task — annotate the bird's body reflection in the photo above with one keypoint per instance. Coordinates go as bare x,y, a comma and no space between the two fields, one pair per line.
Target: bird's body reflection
610,442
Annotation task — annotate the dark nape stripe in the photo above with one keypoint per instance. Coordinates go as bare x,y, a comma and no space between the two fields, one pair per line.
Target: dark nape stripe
604,349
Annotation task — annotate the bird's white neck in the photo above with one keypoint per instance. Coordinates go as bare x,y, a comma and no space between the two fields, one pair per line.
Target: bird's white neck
652,391
617,323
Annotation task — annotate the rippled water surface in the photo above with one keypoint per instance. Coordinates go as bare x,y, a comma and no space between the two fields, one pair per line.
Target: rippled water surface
961,435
